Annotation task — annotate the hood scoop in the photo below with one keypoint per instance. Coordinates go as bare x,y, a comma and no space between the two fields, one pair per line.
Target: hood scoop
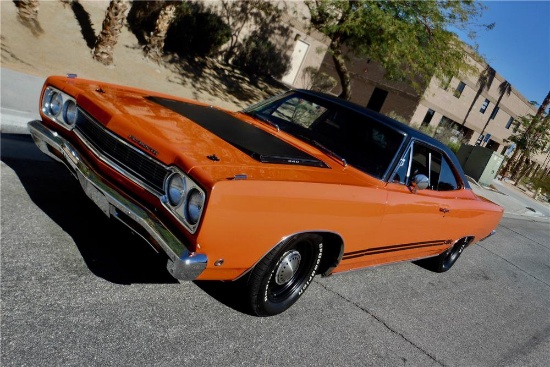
257,143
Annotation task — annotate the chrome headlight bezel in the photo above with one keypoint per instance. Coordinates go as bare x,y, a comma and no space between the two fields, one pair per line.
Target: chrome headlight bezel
60,107
184,198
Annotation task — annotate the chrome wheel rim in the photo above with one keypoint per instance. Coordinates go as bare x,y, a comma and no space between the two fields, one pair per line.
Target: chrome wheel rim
287,267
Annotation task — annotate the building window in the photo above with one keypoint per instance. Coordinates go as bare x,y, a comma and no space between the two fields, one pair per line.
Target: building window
459,89
510,122
494,114
484,106
428,117
377,99
493,145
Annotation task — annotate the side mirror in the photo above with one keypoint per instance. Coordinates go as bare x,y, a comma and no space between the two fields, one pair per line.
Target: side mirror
419,182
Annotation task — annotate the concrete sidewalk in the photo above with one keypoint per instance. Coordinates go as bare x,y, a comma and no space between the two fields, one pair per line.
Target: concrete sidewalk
515,202
19,100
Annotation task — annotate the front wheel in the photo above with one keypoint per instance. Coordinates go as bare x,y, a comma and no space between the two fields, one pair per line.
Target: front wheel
283,275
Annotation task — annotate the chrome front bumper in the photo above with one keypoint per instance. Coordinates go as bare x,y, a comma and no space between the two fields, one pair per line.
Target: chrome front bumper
182,264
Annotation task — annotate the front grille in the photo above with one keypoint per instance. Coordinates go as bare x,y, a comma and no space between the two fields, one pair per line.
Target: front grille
132,160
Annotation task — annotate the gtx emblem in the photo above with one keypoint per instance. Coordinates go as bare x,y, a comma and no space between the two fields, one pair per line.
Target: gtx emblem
143,145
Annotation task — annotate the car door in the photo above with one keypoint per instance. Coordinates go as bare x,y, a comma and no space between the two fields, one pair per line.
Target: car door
419,222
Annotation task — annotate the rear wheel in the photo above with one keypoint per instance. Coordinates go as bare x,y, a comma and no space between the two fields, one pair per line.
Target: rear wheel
446,260
284,274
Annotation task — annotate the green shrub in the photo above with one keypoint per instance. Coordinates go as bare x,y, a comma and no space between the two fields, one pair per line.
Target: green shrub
445,134
258,56
541,183
394,115
196,32
317,80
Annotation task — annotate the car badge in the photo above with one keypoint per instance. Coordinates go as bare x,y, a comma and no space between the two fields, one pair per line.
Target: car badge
143,145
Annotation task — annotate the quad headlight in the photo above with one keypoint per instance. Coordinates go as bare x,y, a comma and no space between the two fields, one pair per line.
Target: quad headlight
175,189
60,107
193,208
184,198
54,101
70,112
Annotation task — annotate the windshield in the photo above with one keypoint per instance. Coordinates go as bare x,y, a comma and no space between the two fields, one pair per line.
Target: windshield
350,136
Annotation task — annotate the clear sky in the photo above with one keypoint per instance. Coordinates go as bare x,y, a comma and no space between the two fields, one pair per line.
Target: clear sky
518,47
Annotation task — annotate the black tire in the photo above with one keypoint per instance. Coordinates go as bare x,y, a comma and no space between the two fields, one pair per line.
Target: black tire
284,274
446,260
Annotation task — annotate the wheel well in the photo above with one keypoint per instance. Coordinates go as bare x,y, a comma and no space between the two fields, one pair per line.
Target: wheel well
333,250
468,240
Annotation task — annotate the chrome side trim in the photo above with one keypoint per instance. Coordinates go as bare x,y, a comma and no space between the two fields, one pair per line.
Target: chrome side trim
182,264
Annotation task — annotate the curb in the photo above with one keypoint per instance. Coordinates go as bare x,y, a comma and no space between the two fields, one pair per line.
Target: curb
15,122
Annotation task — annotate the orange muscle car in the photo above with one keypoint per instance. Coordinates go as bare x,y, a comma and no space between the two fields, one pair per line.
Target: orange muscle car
298,185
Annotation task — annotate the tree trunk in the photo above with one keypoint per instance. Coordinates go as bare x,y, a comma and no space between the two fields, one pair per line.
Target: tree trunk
544,105
523,171
484,82
27,10
111,28
341,68
504,87
511,162
155,46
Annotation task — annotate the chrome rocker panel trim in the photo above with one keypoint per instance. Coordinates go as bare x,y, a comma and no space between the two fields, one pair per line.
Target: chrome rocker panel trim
182,264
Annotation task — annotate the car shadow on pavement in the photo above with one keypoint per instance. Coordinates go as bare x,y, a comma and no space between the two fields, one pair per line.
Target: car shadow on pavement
109,249
231,294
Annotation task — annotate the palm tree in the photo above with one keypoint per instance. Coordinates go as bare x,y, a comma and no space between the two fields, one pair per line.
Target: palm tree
111,28
28,14
504,88
155,43
27,10
484,82
536,136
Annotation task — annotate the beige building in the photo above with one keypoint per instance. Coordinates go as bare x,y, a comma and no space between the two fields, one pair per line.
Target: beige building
488,114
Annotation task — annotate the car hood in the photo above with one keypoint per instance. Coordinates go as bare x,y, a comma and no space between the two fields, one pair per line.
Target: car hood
212,143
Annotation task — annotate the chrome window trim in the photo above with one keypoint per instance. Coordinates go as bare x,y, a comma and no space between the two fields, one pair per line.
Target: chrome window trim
410,145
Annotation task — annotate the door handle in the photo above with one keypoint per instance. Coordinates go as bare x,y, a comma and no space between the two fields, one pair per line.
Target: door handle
444,210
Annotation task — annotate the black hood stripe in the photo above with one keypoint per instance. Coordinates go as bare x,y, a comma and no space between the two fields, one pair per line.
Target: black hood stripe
255,142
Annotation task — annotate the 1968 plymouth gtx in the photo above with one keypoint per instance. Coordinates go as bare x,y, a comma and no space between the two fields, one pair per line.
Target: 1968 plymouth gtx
302,184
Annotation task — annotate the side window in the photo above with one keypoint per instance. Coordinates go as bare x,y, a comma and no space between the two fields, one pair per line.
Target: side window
447,179
428,162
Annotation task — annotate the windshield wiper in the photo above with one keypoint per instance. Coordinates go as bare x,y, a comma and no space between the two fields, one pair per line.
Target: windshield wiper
263,119
325,150
329,152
